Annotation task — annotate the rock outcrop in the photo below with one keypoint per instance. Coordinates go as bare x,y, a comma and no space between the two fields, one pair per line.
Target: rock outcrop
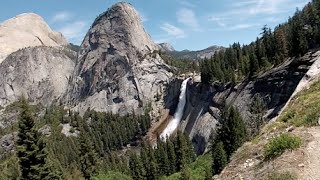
41,74
118,68
166,47
27,30
199,118
7,143
276,87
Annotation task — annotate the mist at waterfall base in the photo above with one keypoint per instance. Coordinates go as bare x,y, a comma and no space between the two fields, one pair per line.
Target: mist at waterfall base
175,121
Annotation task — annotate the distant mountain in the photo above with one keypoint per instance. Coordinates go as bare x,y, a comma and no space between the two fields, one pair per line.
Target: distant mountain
27,30
166,47
187,54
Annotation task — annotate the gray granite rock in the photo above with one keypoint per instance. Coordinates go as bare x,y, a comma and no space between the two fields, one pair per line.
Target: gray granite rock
27,30
41,74
45,130
118,68
7,143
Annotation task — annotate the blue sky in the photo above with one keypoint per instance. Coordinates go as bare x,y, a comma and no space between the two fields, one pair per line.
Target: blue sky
185,24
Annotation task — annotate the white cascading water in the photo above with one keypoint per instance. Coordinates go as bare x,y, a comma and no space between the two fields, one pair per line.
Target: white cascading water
175,121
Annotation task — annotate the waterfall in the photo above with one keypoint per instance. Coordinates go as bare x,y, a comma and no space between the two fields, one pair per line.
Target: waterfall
175,121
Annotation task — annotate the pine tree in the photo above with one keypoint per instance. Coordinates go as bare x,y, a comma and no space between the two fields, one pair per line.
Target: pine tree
144,155
185,173
254,64
149,161
136,167
88,156
258,108
208,175
162,158
219,158
171,156
152,173
181,151
232,131
30,148
49,172
191,156
281,44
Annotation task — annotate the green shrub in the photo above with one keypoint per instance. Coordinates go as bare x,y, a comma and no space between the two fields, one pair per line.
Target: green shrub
279,145
289,115
72,130
281,176
311,118
9,167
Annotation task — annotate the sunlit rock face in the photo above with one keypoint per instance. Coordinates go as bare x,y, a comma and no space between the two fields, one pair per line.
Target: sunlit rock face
27,30
118,68
41,74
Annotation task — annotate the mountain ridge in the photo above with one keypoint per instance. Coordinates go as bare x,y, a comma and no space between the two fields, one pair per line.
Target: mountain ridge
27,30
206,53
118,65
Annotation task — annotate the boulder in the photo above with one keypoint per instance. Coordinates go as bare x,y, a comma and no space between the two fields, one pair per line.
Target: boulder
45,130
7,143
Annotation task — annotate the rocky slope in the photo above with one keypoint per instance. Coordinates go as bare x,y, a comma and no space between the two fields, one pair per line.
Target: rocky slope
276,87
200,116
39,73
27,30
301,112
118,68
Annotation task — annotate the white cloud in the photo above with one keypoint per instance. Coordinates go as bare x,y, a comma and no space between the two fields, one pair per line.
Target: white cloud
267,7
61,17
172,30
74,31
188,18
244,9
186,3
255,7
243,3
220,21
245,14
242,26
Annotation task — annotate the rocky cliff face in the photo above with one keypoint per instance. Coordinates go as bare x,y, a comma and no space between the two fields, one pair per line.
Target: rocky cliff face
275,87
27,30
39,73
200,116
118,67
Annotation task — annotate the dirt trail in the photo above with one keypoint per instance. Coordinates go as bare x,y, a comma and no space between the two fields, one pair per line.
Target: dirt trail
311,169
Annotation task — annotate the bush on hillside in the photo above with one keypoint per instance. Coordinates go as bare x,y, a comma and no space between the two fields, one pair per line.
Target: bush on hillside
279,145
281,176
